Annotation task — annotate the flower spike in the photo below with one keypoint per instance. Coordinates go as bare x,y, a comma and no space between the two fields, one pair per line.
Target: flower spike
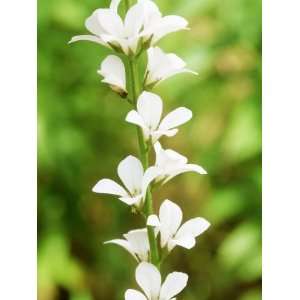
141,28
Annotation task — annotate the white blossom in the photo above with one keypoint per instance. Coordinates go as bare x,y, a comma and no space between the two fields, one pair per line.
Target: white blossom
149,113
134,179
149,279
142,25
113,71
136,243
155,26
108,28
172,233
169,164
163,65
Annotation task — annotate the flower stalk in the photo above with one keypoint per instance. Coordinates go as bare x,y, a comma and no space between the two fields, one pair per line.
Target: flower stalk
143,26
144,155
144,152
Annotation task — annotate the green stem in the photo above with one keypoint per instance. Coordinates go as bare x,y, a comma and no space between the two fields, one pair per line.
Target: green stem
151,234
144,153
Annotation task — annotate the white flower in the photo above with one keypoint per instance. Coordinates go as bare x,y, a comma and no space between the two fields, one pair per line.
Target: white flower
155,26
113,71
162,66
171,233
148,117
149,279
143,23
136,243
170,164
136,182
110,30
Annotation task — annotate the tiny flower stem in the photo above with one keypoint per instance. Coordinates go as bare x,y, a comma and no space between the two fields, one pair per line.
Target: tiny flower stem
135,87
151,233
144,153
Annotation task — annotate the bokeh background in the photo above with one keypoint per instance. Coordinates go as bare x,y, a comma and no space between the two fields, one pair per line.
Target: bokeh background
83,136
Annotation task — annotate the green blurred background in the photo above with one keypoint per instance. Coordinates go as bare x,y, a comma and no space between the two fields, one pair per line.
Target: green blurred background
83,136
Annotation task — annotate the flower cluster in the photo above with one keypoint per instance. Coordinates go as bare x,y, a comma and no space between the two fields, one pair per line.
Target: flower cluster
140,30
142,27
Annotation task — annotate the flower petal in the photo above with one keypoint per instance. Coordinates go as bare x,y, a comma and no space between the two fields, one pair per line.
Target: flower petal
134,295
175,72
133,20
174,65
151,15
184,169
115,42
169,161
138,240
113,71
170,216
175,156
195,168
135,118
112,64
175,118
108,186
189,168
92,23
149,279
156,65
130,171
175,61
149,106
111,22
154,55
114,4
150,174
173,285
167,25
159,157
162,66
195,227
87,37
131,200
124,244
169,133
153,220
155,135
186,241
